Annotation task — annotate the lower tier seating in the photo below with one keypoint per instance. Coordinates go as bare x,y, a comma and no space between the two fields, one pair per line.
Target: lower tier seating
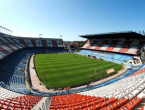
112,57
14,101
142,70
12,68
124,94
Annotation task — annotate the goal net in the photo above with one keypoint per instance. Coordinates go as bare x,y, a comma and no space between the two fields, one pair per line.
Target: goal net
99,71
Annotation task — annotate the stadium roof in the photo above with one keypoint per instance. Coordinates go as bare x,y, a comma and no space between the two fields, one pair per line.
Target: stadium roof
114,35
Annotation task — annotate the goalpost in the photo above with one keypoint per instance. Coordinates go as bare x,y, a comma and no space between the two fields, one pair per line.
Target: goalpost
99,71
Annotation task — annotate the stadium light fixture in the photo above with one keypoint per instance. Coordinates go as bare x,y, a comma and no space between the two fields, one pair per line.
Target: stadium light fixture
4,30
143,32
0,28
139,32
60,36
12,32
9,32
40,35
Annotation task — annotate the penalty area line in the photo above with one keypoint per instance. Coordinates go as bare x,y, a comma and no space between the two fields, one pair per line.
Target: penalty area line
69,74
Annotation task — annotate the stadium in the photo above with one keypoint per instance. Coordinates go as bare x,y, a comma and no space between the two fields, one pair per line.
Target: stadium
72,55
106,74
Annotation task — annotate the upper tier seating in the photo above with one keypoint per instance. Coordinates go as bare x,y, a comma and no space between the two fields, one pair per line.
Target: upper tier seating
121,46
10,44
117,48
133,49
124,49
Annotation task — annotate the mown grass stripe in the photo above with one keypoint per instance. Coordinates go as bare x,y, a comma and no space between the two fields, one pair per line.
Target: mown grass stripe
65,69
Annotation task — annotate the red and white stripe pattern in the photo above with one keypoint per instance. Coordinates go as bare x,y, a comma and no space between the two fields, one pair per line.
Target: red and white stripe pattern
10,44
23,42
17,42
38,43
49,43
28,42
13,43
114,46
33,43
44,43
59,43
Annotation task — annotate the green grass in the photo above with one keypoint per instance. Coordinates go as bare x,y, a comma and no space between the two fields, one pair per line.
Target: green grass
62,70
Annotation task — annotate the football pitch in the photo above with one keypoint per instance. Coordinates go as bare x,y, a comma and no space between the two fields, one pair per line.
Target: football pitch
64,69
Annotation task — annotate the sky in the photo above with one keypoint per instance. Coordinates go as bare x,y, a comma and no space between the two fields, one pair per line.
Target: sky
71,18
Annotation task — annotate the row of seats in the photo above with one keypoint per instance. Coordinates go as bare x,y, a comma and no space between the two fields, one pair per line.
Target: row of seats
14,76
12,68
15,101
103,83
142,70
117,58
96,101
124,94
122,46
11,44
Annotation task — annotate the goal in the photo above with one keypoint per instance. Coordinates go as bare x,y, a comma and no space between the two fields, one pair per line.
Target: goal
99,71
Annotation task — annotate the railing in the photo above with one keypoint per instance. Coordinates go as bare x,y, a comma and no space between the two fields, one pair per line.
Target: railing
45,105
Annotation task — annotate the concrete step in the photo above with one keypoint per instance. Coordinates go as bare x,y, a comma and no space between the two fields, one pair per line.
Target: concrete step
140,105
40,104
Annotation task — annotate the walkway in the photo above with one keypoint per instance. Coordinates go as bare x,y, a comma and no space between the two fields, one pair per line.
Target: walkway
34,78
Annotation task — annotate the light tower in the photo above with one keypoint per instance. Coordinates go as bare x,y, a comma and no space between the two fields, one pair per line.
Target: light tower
0,29
61,37
40,35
